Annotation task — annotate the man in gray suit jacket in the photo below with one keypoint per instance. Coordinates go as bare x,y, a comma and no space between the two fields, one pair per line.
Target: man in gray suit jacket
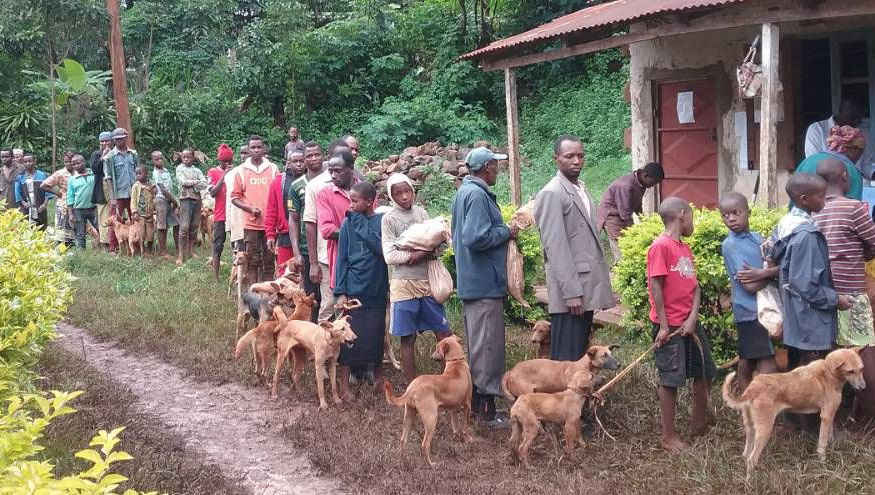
578,280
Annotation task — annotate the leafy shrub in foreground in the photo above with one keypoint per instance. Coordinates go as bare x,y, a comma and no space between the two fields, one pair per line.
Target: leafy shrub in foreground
630,275
34,293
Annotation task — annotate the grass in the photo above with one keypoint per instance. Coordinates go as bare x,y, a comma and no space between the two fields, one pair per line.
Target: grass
185,317
160,462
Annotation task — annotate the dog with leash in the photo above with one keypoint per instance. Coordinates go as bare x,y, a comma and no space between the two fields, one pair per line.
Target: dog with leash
545,375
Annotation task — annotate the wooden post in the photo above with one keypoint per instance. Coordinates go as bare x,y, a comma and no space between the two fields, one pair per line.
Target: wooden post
119,79
513,137
768,193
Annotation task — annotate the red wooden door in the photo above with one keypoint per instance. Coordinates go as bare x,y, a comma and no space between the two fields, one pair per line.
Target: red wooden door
688,151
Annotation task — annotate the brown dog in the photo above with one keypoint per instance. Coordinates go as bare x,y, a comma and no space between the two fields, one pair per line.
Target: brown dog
426,394
323,341
135,239
207,224
284,287
813,388
238,275
545,375
541,338
262,340
122,234
562,408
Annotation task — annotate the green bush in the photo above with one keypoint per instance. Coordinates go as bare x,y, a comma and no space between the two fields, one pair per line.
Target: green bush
529,242
630,274
34,293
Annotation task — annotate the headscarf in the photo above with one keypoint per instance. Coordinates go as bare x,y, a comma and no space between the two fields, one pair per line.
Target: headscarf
844,137
225,153
397,178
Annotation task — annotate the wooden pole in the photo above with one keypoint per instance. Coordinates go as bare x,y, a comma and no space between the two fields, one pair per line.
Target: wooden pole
769,117
119,79
513,137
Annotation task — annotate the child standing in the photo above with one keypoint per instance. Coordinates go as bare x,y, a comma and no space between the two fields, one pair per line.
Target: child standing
191,182
682,350
807,292
361,274
742,253
143,206
80,191
413,308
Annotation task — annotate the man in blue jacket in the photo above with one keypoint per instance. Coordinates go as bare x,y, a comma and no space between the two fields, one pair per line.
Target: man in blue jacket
480,243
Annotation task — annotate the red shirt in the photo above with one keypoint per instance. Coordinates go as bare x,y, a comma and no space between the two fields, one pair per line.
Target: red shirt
672,260
216,174
332,203
276,219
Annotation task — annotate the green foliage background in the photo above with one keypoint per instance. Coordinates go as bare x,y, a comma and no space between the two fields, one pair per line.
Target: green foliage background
630,274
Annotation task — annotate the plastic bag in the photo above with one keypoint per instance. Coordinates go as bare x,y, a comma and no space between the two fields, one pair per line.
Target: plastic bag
425,236
516,280
440,281
770,311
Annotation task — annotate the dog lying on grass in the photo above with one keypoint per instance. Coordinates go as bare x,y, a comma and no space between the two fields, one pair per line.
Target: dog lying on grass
561,408
427,394
323,341
813,388
545,375
541,338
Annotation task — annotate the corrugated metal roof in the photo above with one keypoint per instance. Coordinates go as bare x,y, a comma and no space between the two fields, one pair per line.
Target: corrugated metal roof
596,16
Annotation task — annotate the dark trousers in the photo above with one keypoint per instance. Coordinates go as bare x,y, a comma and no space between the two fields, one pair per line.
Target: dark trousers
260,260
80,216
310,288
569,335
218,239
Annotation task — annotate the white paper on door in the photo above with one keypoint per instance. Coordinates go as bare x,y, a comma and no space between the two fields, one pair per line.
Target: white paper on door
685,108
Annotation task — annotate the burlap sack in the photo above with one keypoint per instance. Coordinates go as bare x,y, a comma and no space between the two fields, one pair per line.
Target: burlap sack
425,236
516,280
440,281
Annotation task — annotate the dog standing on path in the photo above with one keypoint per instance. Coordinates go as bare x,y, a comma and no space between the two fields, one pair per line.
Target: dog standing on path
427,394
813,388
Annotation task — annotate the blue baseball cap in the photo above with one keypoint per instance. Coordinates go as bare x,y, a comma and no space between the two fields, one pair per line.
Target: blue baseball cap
105,136
479,157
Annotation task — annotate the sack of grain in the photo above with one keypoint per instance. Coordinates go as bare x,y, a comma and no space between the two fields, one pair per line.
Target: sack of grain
440,281
516,280
425,236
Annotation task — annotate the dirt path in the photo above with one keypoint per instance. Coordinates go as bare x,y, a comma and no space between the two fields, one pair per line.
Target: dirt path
234,427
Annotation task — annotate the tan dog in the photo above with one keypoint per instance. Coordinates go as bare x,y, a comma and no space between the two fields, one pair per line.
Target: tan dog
262,340
207,225
427,394
122,234
285,287
135,239
238,275
813,388
95,235
323,341
545,375
541,338
562,408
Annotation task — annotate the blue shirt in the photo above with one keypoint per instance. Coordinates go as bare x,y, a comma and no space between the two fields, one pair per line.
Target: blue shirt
120,167
739,249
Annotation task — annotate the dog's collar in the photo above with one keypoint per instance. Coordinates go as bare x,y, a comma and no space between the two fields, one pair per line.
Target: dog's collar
451,360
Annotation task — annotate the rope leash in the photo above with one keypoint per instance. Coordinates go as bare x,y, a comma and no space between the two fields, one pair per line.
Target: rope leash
599,394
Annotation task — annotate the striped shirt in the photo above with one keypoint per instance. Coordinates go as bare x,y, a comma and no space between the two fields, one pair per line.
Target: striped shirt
849,233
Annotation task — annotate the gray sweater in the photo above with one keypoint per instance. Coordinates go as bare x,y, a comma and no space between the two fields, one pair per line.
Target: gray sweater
394,224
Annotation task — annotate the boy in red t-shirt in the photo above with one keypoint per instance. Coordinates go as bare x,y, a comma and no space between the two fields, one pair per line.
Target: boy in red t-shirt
682,349
216,176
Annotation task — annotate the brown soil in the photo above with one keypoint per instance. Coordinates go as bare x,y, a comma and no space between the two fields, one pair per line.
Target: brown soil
233,427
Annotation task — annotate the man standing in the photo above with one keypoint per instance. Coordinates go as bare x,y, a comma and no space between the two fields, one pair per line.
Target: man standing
80,191
119,169
849,115
216,175
191,182
297,235
233,215
578,279
480,243
9,171
251,189
100,191
57,185
332,203
295,143
276,216
28,194
316,245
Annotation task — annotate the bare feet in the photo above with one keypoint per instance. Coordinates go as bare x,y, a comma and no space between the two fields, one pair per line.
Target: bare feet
178,262
700,430
674,445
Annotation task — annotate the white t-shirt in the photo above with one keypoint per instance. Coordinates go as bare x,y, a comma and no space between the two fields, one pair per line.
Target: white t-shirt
310,216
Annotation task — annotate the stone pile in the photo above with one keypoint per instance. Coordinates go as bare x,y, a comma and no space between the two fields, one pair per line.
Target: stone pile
417,162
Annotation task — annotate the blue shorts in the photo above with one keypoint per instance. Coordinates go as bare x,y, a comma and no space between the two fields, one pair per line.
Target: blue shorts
418,315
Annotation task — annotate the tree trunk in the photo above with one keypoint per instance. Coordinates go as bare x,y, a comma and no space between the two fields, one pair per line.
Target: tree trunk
279,112
54,105
463,22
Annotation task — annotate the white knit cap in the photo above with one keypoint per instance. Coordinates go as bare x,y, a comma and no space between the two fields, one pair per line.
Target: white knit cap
397,178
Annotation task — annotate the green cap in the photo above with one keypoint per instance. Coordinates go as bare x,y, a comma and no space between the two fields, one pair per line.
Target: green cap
479,157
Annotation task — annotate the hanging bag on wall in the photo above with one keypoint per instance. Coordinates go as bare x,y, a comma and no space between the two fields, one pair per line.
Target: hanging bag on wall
749,74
